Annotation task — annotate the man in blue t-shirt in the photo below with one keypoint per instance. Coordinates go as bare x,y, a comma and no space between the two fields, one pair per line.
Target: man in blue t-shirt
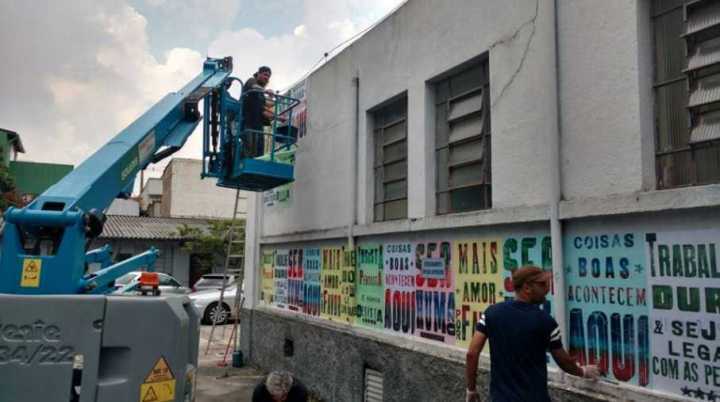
520,334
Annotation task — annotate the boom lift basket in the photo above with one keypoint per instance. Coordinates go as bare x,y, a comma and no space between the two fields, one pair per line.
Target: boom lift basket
246,158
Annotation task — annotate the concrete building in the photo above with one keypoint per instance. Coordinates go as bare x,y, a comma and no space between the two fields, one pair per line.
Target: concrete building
456,141
151,196
119,206
185,194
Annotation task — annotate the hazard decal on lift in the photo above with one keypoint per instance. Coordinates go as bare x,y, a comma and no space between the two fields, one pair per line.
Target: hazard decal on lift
159,385
31,273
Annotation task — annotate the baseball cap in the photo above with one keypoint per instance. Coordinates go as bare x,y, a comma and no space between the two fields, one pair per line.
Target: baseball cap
526,274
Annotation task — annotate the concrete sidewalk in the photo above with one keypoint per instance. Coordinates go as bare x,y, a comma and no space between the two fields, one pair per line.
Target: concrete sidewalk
222,384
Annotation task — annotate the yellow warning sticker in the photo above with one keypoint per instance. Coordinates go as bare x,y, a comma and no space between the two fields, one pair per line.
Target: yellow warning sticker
159,384
31,273
160,371
163,391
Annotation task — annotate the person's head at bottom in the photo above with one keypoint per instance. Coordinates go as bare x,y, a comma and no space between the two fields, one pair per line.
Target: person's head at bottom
531,284
278,384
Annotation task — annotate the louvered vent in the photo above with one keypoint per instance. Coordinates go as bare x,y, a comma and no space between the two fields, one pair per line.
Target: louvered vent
373,386
702,36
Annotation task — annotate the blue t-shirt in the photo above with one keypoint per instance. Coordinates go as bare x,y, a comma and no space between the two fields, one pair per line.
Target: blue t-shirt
519,334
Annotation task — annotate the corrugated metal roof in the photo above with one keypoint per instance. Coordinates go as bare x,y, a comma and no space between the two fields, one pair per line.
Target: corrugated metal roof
150,228
702,16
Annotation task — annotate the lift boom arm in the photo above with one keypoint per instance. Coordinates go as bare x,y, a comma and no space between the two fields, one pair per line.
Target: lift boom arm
44,244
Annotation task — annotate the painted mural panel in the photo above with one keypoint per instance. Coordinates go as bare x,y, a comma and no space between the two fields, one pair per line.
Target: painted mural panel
607,303
434,298
519,251
477,265
267,287
370,287
348,283
281,277
684,280
331,275
311,281
295,279
399,268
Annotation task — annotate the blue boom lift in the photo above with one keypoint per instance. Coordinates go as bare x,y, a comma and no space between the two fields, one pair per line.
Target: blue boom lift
44,280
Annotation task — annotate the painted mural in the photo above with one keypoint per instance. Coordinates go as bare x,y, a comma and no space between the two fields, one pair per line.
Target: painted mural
434,297
519,251
295,279
607,304
281,278
268,276
684,281
477,265
399,269
370,287
330,279
644,306
348,285
311,282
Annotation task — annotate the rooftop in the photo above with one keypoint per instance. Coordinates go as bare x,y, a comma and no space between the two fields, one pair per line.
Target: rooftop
148,228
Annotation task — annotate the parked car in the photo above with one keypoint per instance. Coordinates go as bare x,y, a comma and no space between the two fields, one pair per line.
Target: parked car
213,281
208,303
128,284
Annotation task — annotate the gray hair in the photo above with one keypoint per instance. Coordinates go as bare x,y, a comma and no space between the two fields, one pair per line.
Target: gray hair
278,383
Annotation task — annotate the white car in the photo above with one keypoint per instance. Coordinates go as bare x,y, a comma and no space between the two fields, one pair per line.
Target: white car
128,284
208,303
213,281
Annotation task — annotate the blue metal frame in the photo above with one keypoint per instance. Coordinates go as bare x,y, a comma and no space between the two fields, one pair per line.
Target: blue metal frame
44,244
227,162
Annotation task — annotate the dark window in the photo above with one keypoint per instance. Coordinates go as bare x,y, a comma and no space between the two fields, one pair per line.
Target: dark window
462,140
687,92
390,135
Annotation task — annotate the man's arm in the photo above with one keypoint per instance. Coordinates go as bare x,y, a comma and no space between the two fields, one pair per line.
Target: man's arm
568,364
471,363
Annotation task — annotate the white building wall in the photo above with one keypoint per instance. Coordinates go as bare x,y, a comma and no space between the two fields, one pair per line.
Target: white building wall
200,198
606,97
401,55
593,98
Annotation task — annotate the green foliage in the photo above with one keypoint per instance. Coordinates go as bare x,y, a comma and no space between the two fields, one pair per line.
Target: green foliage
210,245
7,188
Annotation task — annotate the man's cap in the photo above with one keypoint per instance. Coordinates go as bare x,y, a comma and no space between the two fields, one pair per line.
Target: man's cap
526,274
264,69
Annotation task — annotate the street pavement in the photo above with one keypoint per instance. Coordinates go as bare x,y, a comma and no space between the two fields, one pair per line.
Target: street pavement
222,384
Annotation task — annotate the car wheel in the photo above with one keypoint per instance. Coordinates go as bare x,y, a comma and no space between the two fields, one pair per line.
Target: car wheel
216,313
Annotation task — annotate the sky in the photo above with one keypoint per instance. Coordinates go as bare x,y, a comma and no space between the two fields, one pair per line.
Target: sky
74,73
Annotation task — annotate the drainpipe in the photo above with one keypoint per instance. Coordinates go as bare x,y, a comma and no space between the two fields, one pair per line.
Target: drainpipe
555,195
352,218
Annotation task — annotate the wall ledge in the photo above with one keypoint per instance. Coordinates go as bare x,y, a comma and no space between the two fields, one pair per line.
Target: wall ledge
640,202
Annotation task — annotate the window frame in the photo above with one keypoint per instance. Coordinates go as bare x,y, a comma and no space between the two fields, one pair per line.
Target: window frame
444,144
385,117
678,161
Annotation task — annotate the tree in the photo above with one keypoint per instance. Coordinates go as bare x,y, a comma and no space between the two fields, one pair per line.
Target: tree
7,189
210,245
